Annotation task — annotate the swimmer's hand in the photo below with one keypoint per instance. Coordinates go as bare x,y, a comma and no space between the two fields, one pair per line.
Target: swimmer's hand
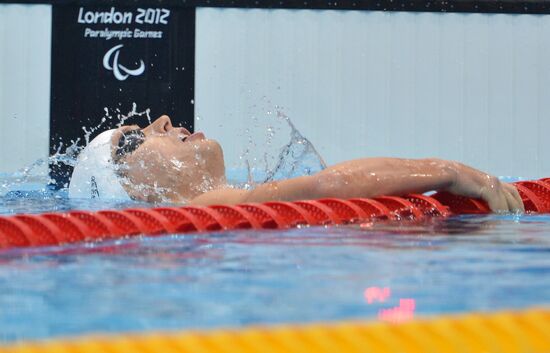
470,182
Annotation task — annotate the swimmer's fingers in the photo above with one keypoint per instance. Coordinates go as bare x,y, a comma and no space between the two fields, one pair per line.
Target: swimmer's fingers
513,205
496,200
469,182
514,199
503,198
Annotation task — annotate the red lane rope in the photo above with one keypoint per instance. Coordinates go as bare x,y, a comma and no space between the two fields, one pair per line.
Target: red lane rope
24,230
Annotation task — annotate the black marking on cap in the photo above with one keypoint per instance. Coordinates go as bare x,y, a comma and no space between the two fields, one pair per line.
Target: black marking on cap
94,189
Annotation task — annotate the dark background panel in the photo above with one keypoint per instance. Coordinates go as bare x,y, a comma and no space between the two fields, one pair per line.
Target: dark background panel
86,95
478,6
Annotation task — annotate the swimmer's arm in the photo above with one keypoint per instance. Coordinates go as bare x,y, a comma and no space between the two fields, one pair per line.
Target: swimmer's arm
371,177
392,176
224,196
368,177
299,188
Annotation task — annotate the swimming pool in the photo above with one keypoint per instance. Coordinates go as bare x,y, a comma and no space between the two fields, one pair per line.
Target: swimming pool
403,82
388,271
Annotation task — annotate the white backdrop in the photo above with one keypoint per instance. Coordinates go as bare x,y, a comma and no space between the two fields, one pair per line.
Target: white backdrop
469,87
25,42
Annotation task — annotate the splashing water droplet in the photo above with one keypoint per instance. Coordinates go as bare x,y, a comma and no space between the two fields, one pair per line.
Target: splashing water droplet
296,157
65,155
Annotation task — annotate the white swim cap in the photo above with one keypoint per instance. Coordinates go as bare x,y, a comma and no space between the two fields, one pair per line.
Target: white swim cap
94,174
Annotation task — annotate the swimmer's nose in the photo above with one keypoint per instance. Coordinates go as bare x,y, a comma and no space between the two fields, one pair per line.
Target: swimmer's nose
160,126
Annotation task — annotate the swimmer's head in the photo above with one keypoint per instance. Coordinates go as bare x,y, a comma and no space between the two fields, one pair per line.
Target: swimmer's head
94,175
159,162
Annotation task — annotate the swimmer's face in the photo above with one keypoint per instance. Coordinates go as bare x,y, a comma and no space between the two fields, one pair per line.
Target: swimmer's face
166,163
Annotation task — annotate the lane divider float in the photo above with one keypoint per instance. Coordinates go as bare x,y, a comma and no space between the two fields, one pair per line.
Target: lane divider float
30,230
503,332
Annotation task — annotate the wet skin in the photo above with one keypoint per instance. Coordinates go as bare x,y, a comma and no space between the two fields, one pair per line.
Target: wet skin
173,165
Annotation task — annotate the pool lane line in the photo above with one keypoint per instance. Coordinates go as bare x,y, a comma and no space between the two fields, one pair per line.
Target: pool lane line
52,229
506,332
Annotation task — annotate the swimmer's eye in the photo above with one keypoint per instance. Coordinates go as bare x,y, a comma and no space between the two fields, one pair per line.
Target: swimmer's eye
129,142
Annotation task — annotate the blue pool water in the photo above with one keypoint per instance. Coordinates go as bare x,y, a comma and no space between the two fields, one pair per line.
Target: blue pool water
242,278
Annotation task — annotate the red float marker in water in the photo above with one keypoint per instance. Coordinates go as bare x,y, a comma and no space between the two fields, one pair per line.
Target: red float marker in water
76,226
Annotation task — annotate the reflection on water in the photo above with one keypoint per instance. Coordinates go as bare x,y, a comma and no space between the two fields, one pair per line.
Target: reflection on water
401,313
387,271
377,294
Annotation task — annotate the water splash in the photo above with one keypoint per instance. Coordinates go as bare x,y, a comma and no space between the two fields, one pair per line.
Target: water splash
265,160
298,157
31,178
117,116
35,177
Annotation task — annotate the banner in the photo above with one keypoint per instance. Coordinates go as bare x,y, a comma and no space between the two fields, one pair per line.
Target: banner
109,62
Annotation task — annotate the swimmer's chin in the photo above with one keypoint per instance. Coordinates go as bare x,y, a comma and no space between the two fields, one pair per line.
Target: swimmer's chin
160,196
214,147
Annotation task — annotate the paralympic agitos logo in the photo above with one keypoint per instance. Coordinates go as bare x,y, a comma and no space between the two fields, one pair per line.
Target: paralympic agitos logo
121,72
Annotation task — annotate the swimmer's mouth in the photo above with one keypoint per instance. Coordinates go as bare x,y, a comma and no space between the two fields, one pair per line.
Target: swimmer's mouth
183,133
193,137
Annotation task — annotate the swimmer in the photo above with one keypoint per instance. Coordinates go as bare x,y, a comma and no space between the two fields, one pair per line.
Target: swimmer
163,163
